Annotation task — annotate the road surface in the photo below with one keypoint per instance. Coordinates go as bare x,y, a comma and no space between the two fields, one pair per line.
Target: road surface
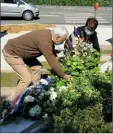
66,15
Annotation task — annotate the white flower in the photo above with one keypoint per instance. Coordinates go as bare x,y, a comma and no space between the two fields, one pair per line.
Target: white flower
45,116
85,48
62,88
42,94
4,113
43,81
35,111
29,98
92,49
52,89
61,54
53,95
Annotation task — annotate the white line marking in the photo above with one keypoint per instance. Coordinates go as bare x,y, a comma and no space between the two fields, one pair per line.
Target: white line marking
84,21
83,13
67,13
79,14
49,15
79,17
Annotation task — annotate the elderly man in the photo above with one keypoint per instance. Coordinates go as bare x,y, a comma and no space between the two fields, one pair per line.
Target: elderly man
87,33
24,50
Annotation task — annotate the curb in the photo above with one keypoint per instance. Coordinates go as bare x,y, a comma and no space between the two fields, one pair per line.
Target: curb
106,46
27,24
105,57
99,26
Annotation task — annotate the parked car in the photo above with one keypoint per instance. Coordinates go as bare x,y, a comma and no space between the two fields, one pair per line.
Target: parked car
19,8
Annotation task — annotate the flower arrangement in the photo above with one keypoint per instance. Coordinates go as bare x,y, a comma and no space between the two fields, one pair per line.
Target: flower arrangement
35,101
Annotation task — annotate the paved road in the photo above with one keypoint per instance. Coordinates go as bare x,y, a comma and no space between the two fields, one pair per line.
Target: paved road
66,15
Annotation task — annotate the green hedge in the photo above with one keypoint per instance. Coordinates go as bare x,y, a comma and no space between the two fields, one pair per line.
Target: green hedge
72,2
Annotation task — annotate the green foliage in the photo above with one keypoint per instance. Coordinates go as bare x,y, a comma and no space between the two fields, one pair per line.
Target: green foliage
84,105
72,2
63,123
102,82
88,120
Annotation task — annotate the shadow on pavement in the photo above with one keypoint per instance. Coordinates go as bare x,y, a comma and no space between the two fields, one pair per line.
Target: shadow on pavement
110,41
3,34
11,18
2,99
16,18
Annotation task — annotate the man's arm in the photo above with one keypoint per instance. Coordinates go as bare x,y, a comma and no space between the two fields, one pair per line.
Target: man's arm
47,51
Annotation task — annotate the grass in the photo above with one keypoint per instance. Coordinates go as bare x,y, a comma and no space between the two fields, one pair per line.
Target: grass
11,79
45,65
106,52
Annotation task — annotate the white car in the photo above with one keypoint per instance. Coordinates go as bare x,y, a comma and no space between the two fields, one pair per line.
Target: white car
19,8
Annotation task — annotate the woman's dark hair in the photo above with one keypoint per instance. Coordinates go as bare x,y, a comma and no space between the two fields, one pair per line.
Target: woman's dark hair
92,20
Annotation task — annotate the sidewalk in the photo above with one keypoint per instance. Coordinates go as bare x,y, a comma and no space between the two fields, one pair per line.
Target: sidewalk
6,92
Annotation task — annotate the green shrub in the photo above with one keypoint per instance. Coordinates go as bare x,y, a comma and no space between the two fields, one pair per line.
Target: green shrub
88,120
72,2
84,105
103,82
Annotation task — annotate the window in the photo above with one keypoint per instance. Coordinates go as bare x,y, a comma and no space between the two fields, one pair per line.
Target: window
10,1
27,1
2,1
21,2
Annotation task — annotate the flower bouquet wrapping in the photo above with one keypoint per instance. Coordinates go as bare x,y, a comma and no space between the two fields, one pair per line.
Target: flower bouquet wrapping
34,102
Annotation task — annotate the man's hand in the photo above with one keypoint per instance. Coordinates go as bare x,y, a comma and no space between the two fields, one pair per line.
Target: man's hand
68,78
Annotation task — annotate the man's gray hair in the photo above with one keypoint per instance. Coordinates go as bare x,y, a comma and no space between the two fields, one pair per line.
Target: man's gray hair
60,31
